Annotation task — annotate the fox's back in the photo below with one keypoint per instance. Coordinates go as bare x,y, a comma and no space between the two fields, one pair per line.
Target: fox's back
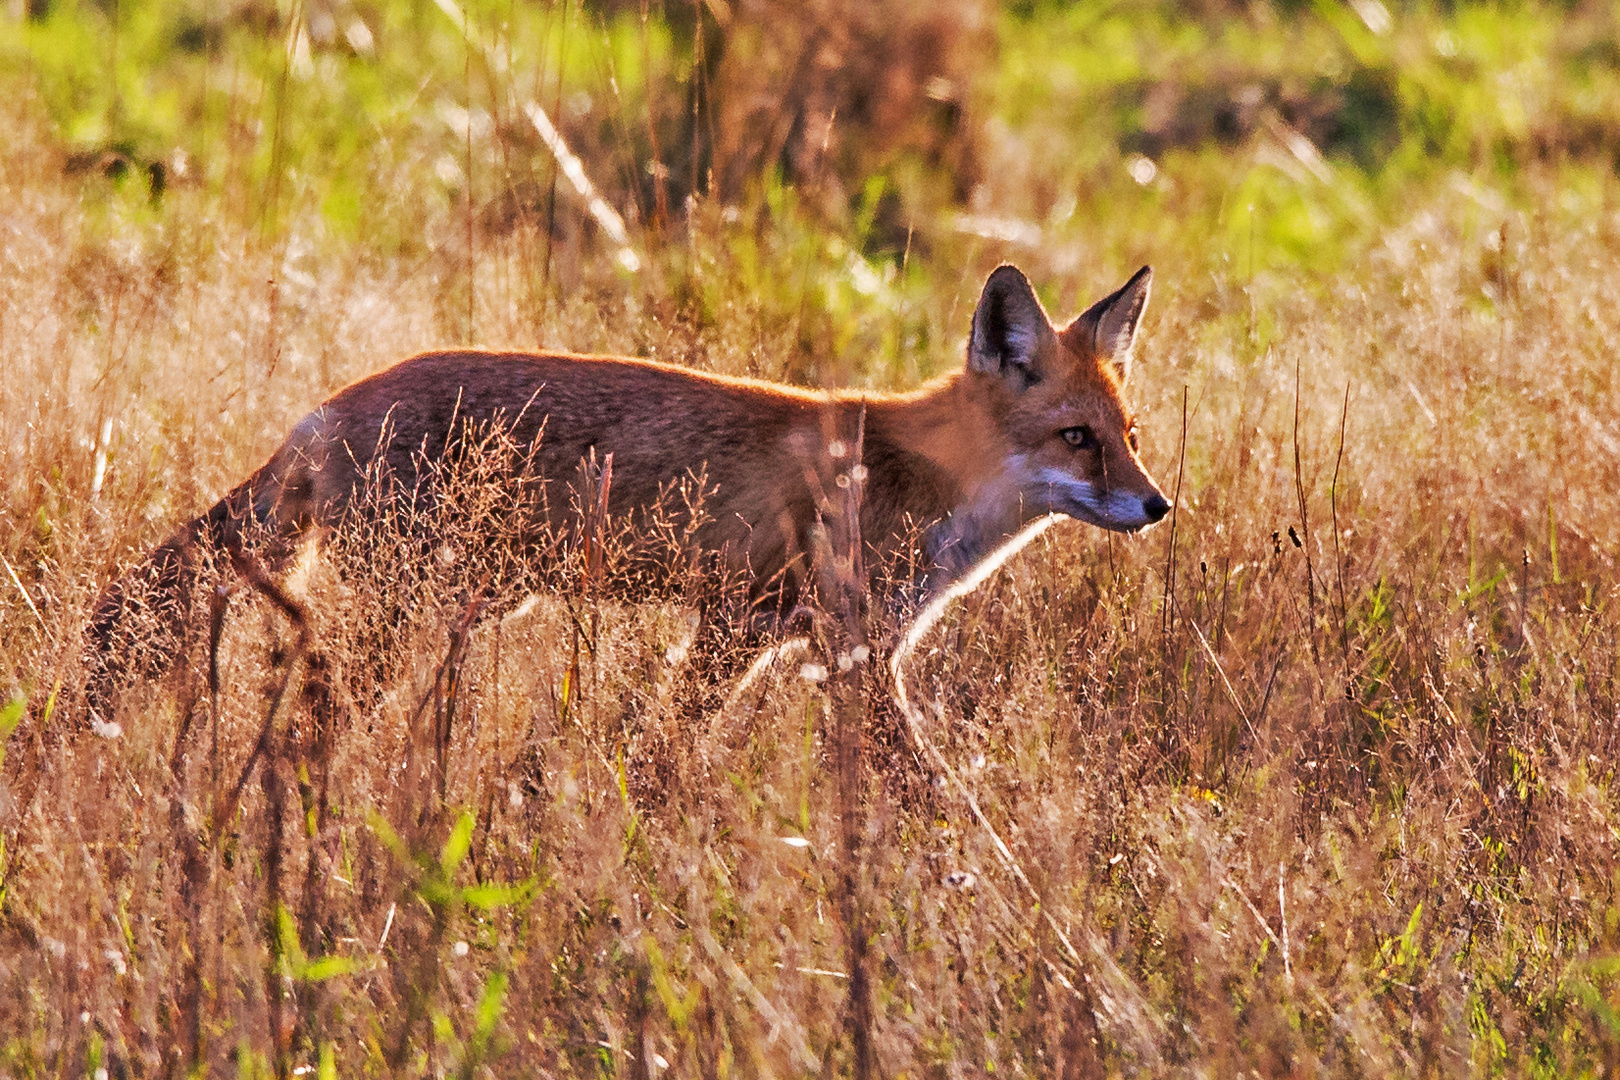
662,425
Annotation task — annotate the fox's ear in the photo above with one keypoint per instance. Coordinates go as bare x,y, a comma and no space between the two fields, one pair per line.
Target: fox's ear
1009,329
1108,328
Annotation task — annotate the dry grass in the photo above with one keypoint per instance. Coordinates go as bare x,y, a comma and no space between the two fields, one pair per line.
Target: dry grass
1217,801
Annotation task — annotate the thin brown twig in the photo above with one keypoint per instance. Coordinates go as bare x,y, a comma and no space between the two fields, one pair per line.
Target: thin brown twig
556,169
447,685
1338,554
1304,527
195,865
848,574
1166,618
254,573
1231,693
472,251
1167,612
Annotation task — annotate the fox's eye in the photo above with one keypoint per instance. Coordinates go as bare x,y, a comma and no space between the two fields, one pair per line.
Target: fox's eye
1080,437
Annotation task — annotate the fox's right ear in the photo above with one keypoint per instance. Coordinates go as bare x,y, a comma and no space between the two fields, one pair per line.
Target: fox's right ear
1109,326
1009,329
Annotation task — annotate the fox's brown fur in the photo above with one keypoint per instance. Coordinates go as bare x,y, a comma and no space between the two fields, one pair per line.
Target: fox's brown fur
1034,424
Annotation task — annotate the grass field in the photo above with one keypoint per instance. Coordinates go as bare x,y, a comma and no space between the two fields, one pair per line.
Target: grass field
1315,778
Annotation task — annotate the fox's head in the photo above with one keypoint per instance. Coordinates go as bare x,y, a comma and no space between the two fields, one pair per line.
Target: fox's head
1058,394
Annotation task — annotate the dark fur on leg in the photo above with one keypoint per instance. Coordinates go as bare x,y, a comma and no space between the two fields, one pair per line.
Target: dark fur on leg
141,623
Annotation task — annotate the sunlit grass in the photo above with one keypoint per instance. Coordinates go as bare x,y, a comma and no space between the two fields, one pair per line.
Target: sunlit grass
1318,776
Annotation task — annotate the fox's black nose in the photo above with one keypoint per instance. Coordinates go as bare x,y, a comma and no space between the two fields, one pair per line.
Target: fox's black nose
1155,507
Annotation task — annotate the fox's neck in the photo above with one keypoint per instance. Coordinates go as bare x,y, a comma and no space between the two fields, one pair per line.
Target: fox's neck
935,460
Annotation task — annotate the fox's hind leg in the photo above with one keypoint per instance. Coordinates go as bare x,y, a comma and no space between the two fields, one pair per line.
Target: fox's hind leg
143,624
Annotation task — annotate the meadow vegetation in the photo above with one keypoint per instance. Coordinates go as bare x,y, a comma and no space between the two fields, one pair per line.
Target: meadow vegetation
1316,778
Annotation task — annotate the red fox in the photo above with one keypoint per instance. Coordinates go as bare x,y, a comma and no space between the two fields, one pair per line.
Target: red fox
1035,424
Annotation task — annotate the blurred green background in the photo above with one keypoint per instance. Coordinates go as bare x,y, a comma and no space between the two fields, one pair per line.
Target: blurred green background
836,160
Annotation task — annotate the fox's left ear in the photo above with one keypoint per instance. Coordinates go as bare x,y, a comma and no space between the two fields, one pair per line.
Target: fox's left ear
1108,328
1010,330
